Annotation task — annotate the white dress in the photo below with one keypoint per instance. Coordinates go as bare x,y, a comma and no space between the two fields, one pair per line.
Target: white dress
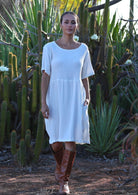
68,117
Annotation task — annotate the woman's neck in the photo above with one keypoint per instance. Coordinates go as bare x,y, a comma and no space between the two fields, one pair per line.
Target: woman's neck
67,39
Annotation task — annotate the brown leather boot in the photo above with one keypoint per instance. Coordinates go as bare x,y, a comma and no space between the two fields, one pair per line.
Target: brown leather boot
66,167
58,157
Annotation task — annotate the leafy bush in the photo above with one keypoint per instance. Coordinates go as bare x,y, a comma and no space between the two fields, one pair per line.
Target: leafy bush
104,125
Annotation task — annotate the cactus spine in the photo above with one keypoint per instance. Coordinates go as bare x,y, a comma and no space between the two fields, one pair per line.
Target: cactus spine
24,95
3,121
24,59
13,142
39,137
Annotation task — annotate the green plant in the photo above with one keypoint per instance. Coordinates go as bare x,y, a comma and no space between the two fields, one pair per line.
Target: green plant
103,129
23,105
3,115
24,59
22,153
39,137
13,142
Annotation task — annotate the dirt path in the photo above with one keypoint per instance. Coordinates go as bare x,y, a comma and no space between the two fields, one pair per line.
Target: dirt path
90,176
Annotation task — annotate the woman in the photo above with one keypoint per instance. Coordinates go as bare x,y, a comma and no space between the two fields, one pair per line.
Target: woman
66,67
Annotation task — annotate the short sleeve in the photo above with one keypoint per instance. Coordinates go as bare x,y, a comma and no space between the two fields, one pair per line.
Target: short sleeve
46,59
87,69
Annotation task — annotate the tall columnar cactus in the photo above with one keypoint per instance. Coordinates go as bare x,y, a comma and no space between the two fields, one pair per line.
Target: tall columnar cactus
6,89
98,96
3,114
23,109
83,31
27,120
19,100
15,71
22,153
8,125
1,63
109,74
13,91
10,65
104,35
39,137
38,69
24,59
131,26
13,142
28,138
92,24
34,91
39,27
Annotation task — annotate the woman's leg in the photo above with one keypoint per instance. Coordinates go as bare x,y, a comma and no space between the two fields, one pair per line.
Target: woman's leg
57,150
66,166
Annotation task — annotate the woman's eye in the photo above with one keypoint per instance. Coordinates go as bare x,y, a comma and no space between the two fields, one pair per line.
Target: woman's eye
73,22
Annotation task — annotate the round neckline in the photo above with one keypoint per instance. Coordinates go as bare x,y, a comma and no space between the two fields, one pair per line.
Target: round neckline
67,49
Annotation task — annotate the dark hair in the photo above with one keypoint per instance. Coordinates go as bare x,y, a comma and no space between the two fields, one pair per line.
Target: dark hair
69,12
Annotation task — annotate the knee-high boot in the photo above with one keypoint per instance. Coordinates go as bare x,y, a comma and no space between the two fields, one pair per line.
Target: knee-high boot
66,167
58,157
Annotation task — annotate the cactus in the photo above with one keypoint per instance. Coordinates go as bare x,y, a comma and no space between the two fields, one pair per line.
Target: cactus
28,138
19,98
92,24
24,59
39,27
98,96
15,72
10,65
13,91
13,142
39,137
104,35
23,108
27,120
34,92
22,153
8,125
3,121
83,14
109,69
1,63
6,89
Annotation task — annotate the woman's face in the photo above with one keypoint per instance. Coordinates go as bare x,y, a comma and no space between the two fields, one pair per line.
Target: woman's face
69,24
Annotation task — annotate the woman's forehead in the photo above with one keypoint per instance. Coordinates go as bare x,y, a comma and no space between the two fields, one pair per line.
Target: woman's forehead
69,17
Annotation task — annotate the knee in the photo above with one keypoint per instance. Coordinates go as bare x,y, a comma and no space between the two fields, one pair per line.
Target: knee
70,146
57,146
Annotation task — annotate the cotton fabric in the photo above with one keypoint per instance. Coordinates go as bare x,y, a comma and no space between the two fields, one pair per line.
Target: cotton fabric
68,117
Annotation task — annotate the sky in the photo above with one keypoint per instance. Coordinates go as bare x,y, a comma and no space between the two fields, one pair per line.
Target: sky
122,9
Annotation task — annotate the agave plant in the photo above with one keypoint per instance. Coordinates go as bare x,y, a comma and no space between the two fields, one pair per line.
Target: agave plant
104,125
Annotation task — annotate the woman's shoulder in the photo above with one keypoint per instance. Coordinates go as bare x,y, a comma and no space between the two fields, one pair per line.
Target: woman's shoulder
84,45
48,45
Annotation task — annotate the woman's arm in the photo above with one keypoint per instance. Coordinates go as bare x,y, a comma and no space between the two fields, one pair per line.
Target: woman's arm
86,86
44,87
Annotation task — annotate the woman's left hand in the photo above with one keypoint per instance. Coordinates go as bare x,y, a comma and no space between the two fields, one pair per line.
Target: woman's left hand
86,102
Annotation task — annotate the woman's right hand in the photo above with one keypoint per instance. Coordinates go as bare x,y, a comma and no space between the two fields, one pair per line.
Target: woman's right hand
45,110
